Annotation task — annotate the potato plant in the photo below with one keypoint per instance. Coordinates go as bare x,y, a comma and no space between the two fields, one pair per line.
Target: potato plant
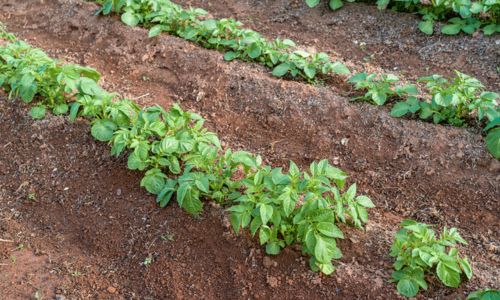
183,160
486,294
455,101
418,251
226,35
461,15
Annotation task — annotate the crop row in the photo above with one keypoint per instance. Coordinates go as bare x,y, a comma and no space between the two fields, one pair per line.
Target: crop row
182,160
456,101
462,15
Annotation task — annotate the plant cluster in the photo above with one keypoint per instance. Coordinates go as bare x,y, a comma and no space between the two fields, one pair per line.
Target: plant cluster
488,294
418,251
453,101
462,15
380,88
182,159
227,35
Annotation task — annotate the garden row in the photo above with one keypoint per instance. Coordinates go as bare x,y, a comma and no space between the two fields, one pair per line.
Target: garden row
458,101
181,158
462,15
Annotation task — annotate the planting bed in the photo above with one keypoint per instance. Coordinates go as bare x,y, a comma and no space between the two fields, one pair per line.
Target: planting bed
88,231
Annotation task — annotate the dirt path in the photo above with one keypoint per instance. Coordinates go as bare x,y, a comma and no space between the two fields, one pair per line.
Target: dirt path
108,227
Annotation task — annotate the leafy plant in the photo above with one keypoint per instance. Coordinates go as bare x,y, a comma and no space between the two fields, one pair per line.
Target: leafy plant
300,207
226,35
454,101
182,159
461,15
380,88
418,251
487,294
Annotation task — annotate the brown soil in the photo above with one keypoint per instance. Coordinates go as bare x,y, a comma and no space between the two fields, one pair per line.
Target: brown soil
90,228
365,36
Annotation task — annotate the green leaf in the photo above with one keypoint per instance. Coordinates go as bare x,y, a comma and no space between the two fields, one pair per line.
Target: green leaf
493,142
310,71
340,68
451,29
324,249
491,28
407,287
264,234
235,220
89,87
182,191
254,50
60,109
230,55
192,203
130,19
203,185
464,264
153,181
326,268
334,5
38,112
245,159
273,248
399,109
155,30
365,201
312,3
73,112
330,230
447,275
281,70
135,163
266,212
426,27
382,4
102,130
166,193
488,294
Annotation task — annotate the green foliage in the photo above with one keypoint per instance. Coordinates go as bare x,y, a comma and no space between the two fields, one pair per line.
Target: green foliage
182,159
226,35
300,207
462,15
380,88
418,251
452,101
26,72
455,101
488,294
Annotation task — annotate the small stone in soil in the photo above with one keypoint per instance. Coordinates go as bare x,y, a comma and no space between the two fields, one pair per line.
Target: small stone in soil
272,281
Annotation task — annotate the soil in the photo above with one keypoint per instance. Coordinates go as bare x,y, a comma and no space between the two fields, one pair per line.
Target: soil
78,226
366,37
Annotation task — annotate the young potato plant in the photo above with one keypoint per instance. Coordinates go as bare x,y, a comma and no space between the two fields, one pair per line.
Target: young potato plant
26,72
455,101
487,294
182,159
300,207
462,15
380,88
418,251
225,35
